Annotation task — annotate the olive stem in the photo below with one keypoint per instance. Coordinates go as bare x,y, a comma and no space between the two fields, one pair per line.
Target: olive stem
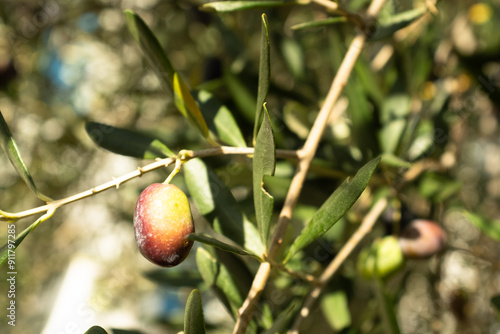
181,158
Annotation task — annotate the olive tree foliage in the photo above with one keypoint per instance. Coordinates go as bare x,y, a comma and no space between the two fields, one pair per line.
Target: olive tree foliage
340,134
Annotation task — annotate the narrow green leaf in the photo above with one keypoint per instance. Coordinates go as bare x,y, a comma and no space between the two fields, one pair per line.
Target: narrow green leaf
264,164
438,187
9,248
388,27
126,142
264,74
319,23
169,78
175,278
293,54
394,118
370,80
187,105
284,319
386,308
394,161
335,207
194,321
152,49
361,118
10,147
218,276
335,307
242,96
211,241
296,118
423,140
231,6
219,119
96,330
217,204
488,226
495,302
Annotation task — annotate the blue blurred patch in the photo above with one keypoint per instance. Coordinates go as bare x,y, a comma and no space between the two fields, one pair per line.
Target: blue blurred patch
88,22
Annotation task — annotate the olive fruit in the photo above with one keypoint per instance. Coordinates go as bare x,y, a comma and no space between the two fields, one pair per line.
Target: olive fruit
381,259
421,239
162,220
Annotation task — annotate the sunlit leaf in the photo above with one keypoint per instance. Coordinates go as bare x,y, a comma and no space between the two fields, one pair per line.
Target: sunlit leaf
217,204
423,141
10,147
296,118
394,119
394,161
126,142
231,6
264,164
264,74
169,78
211,241
335,307
489,227
219,119
187,105
335,207
389,26
194,321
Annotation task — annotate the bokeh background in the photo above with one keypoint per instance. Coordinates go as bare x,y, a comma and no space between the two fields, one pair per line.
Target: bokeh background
63,63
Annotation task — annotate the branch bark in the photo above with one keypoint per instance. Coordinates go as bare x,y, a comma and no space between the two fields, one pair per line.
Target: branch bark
365,228
116,182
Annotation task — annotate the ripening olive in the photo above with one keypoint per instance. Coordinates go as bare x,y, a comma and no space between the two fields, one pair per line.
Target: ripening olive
162,220
421,239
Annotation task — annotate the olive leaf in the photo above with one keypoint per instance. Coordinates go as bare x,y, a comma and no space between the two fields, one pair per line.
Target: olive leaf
194,321
264,164
264,74
335,207
231,6
11,245
218,205
211,241
126,142
169,78
10,147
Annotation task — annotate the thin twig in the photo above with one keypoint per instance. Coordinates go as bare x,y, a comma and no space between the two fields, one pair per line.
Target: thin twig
297,274
327,4
116,182
306,154
365,228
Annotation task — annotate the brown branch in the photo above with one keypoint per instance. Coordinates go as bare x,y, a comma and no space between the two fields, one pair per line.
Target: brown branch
306,154
116,182
365,228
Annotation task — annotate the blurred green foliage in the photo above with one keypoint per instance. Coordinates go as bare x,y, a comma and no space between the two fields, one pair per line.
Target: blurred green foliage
426,97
